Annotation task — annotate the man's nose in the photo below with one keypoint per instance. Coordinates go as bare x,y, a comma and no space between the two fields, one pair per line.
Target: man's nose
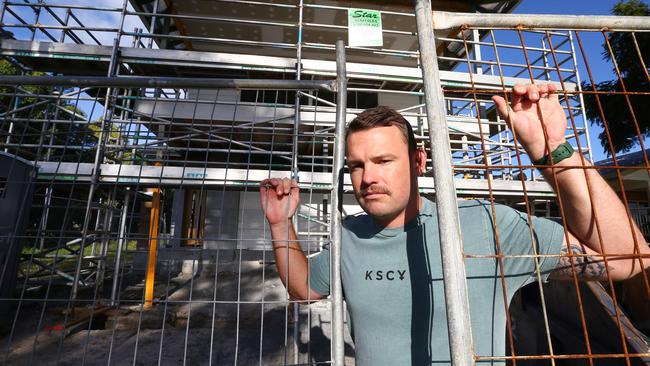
369,174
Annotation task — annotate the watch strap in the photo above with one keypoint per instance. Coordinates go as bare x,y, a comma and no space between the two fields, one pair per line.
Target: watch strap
563,151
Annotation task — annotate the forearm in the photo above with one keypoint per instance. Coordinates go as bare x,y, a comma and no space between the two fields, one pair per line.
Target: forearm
291,262
595,214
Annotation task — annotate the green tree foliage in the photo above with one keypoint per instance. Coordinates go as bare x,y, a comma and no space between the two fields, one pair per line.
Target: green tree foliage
34,122
7,98
633,70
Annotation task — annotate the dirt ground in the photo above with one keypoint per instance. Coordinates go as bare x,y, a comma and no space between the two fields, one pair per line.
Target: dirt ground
250,323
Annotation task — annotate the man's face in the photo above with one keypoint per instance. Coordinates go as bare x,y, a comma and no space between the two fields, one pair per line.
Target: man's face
383,173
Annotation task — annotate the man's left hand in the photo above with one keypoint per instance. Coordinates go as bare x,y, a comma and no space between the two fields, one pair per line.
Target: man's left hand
532,106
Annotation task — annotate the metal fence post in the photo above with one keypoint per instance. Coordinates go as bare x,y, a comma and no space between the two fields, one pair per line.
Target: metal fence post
338,343
120,247
453,268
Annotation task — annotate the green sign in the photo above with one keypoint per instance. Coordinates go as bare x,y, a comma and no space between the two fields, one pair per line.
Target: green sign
364,28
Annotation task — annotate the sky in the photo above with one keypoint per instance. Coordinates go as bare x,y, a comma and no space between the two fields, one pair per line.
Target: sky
577,7
592,43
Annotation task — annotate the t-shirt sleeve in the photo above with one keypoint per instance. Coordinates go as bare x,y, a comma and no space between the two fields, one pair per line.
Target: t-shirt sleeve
516,245
319,271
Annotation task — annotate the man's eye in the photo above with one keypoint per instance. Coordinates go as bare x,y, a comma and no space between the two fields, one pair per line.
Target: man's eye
386,161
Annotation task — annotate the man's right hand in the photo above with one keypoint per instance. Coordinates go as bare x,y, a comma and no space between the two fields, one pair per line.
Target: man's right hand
280,199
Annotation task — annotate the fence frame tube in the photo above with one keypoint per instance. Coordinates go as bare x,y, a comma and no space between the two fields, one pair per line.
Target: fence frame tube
453,267
449,20
120,245
336,289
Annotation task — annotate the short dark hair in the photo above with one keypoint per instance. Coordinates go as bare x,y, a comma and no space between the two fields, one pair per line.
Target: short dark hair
383,116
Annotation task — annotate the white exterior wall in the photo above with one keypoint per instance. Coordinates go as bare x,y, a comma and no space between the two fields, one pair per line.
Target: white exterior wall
234,220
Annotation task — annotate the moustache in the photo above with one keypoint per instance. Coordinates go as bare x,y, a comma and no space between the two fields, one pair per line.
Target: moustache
373,189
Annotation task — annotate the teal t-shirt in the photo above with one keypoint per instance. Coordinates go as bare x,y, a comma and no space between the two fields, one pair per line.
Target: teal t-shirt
393,287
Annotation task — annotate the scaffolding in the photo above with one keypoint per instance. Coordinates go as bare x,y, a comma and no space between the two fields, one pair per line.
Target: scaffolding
377,76
155,121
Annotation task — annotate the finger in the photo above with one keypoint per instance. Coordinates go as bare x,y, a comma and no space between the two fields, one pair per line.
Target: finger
543,90
502,107
519,89
275,184
518,93
552,93
268,184
286,185
533,93
264,193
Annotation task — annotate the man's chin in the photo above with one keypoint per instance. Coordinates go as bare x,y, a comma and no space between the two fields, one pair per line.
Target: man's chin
377,212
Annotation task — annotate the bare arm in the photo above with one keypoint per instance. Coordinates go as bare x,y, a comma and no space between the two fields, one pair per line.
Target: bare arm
584,194
280,199
622,243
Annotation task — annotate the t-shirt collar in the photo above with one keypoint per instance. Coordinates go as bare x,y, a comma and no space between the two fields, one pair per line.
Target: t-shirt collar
426,211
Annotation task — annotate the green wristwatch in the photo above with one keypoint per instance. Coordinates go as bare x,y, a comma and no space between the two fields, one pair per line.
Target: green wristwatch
560,153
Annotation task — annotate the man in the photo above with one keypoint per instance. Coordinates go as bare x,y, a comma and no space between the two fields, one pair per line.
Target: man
390,261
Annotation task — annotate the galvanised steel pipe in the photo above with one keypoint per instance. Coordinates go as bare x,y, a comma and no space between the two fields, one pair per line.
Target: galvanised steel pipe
453,268
167,82
120,247
336,289
448,20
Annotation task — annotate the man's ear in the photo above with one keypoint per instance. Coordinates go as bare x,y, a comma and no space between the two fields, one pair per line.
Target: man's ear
420,157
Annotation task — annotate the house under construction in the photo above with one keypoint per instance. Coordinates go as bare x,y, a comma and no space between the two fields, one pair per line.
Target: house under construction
130,170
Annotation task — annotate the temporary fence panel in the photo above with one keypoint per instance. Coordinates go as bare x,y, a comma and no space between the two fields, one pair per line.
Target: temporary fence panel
561,322
131,225
144,241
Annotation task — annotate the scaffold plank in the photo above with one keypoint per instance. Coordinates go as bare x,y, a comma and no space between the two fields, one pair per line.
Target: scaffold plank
216,177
